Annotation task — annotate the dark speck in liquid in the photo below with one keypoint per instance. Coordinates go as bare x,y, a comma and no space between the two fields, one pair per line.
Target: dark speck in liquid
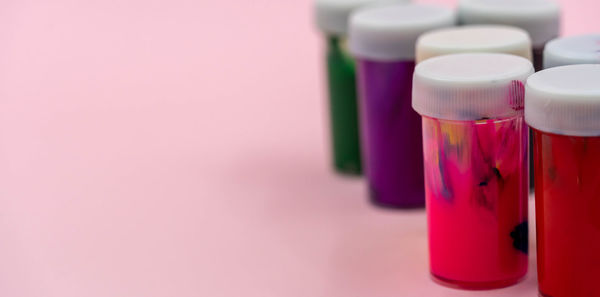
520,236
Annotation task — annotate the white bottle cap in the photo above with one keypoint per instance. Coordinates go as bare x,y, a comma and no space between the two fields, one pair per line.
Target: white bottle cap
565,100
582,49
474,38
540,18
332,15
470,87
389,32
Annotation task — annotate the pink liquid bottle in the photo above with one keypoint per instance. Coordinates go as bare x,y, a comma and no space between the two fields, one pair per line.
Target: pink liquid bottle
563,109
475,156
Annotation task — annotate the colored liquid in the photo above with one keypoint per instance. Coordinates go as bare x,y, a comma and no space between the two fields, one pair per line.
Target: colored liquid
391,134
567,190
538,65
343,109
476,189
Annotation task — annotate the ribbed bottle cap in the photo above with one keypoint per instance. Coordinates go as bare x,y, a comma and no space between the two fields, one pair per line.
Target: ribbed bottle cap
540,18
474,38
582,49
565,100
332,15
472,86
389,32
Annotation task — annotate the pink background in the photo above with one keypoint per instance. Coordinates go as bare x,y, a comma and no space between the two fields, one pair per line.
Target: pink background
179,148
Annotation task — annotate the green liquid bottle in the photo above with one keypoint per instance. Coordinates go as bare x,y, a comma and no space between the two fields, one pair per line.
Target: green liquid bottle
332,18
343,108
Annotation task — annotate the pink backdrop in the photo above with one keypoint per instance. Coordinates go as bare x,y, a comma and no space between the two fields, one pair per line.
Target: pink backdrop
179,148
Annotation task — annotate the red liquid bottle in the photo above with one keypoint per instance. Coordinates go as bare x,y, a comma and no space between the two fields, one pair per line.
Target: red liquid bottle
562,106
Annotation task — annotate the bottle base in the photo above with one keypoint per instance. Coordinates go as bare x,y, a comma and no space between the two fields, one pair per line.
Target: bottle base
397,206
347,170
476,285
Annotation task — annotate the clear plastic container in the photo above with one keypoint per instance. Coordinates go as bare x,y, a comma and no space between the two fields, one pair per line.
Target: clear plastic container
476,200
332,19
563,107
383,40
475,156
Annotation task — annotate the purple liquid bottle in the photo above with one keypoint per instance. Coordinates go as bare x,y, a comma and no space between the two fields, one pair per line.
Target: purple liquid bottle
383,41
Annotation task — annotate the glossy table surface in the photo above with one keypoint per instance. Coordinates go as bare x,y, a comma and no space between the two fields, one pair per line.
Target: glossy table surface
179,148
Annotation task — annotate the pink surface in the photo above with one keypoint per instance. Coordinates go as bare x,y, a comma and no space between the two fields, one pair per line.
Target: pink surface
179,148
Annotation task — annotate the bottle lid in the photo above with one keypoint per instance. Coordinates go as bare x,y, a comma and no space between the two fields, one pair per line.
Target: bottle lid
540,18
582,49
471,86
565,100
389,32
474,38
332,15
